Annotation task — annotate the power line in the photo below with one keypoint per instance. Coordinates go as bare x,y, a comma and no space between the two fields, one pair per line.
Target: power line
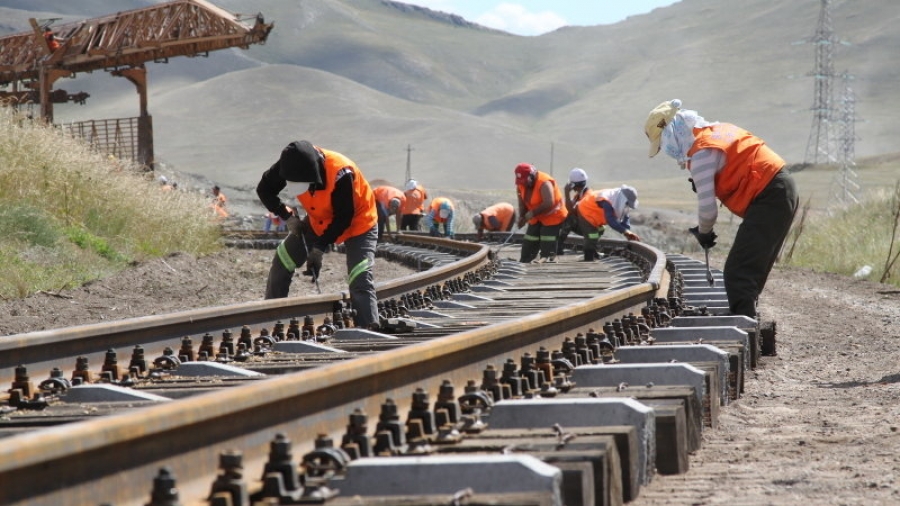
820,147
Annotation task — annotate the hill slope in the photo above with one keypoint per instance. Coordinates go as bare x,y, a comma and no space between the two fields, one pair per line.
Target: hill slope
370,77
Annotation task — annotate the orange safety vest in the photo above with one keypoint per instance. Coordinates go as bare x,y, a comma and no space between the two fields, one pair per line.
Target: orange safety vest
436,208
589,208
503,212
749,164
415,201
318,206
384,194
557,214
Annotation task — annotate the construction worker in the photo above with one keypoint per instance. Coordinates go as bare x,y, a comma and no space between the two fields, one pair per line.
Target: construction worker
414,208
734,166
541,206
52,42
605,207
390,202
340,207
499,217
572,193
440,213
218,203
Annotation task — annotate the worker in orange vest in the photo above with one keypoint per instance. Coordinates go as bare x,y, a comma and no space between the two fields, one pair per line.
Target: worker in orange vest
572,193
734,166
390,202
499,217
440,214
414,208
52,41
340,207
218,203
599,208
541,206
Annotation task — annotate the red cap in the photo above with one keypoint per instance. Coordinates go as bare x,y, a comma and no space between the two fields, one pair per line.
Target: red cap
523,172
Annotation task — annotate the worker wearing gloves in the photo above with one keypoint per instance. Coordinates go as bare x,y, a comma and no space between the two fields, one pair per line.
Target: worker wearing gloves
572,193
734,166
340,209
541,206
440,214
390,202
605,207
499,217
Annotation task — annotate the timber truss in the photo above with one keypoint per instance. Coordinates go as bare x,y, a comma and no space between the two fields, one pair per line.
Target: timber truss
121,44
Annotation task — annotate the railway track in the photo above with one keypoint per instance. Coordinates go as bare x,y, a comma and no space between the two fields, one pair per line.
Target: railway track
476,341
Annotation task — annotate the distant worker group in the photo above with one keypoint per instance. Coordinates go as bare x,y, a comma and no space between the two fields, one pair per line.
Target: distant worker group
726,163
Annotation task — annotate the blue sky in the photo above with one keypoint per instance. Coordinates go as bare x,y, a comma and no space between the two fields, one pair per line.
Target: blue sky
534,17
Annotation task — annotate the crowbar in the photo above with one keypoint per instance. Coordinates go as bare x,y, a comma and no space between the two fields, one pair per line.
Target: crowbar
709,276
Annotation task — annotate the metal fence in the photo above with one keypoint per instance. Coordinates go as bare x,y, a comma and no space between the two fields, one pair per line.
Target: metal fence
118,137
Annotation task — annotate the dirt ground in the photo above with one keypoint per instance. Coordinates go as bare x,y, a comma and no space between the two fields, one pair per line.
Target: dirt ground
818,423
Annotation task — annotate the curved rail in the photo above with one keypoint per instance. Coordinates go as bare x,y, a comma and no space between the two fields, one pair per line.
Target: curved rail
187,434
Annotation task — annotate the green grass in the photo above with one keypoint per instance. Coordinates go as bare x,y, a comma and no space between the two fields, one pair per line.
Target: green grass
69,215
846,239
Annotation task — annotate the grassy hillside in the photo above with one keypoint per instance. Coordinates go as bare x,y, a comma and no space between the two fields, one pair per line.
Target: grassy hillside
68,215
369,78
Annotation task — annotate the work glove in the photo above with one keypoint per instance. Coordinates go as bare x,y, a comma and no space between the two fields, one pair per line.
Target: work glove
707,240
294,225
314,262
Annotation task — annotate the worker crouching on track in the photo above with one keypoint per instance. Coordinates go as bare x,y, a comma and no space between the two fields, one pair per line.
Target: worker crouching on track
729,163
541,207
598,208
440,214
340,208
499,217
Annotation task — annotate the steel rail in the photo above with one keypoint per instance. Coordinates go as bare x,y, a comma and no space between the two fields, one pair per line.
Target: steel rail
42,350
113,459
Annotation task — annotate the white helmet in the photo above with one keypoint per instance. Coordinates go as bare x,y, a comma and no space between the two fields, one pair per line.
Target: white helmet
411,185
577,175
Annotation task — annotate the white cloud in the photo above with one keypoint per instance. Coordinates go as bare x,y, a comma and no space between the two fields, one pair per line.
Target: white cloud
515,18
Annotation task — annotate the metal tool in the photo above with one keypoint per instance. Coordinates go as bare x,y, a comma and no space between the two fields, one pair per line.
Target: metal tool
505,241
315,275
709,276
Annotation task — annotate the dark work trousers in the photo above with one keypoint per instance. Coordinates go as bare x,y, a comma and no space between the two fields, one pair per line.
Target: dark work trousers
757,243
591,235
568,225
410,221
360,254
383,217
539,238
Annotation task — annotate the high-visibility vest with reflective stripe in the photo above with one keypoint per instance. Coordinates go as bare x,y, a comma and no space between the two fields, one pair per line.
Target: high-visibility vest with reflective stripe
749,164
589,208
557,214
318,205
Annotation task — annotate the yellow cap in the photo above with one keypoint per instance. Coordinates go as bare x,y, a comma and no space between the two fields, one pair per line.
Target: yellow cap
658,118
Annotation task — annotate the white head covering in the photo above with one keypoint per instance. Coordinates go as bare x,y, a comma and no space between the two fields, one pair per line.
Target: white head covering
678,135
619,198
411,185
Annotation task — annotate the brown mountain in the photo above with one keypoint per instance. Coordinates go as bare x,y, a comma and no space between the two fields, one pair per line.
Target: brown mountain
371,77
